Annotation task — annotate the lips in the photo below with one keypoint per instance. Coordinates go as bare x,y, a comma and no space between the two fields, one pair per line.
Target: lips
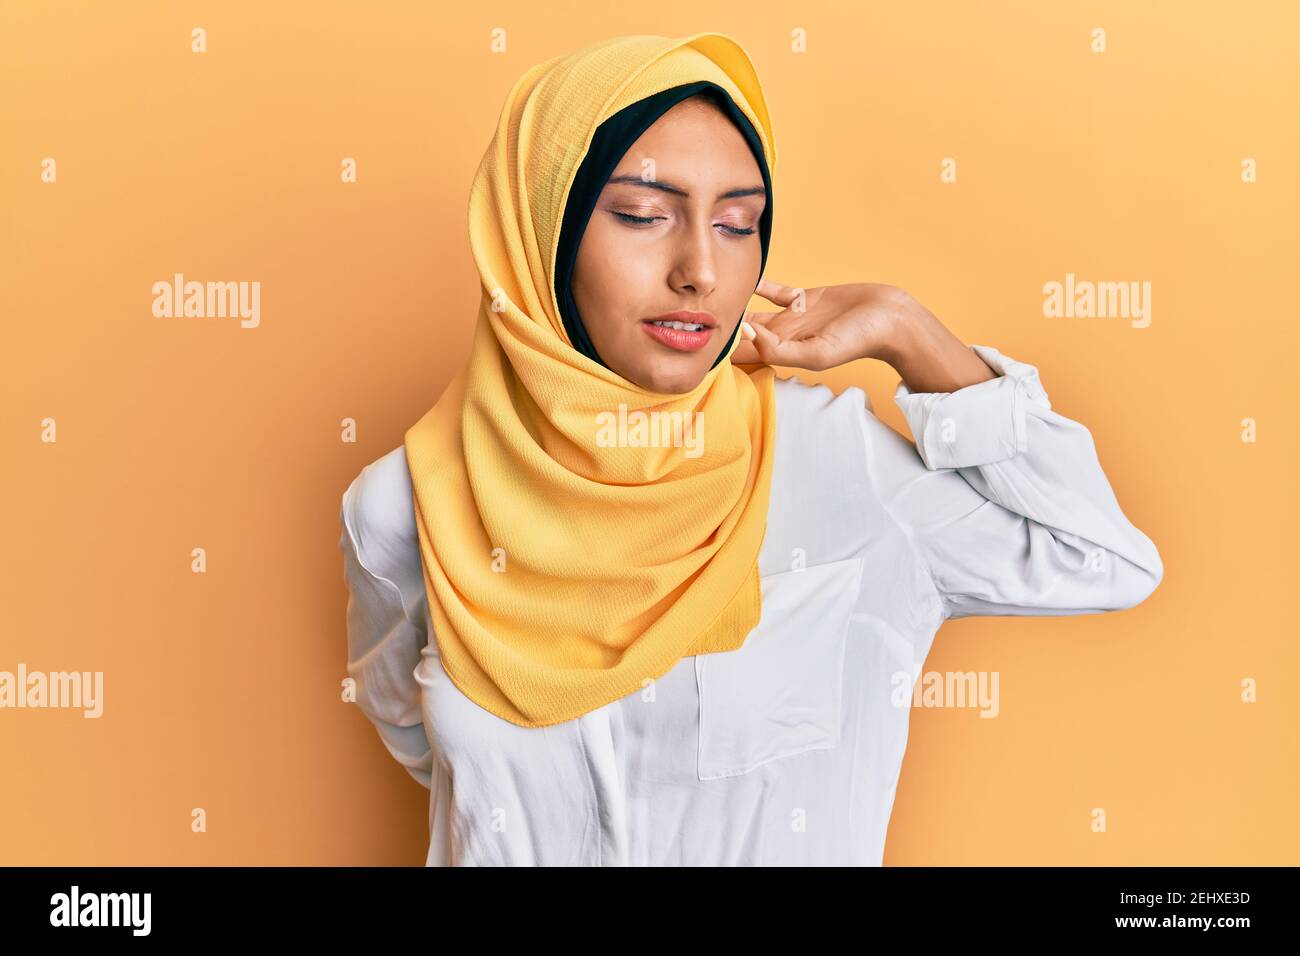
681,331
679,338
686,318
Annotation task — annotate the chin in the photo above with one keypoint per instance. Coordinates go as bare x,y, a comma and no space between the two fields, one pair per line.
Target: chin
677,379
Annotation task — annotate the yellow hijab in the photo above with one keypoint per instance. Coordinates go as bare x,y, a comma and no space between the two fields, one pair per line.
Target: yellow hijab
562,573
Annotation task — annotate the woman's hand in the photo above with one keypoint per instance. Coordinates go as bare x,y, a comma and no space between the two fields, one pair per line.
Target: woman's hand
832,325
836,324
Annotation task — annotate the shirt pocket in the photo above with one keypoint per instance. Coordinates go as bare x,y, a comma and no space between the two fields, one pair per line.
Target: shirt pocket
779,694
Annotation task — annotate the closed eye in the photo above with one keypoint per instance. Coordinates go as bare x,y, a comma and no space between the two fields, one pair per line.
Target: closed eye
647,220
628,217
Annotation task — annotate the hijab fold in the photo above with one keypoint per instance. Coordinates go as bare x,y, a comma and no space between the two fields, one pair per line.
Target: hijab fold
564,572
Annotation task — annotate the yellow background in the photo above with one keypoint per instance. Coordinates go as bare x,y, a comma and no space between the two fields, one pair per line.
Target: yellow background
222,689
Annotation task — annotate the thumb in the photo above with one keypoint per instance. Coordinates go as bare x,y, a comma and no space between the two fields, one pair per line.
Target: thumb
745,353
766,343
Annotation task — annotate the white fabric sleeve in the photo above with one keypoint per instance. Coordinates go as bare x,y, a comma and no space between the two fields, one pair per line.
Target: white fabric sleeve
1006,502
384,644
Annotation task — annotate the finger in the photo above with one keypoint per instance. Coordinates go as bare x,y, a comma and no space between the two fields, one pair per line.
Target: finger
784,324
746,354
767,344
782,295
809,353
754,350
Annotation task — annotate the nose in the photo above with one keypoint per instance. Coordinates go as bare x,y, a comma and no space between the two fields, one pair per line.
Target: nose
694,270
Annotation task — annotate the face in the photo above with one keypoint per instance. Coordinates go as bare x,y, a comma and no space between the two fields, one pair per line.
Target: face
687,240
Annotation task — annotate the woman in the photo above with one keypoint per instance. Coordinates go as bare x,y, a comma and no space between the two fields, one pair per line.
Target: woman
624,595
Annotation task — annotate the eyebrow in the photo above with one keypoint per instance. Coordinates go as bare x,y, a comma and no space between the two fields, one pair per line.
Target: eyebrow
635,180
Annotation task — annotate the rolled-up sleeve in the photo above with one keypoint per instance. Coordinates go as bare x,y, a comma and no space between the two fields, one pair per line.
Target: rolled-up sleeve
385,639
1006,501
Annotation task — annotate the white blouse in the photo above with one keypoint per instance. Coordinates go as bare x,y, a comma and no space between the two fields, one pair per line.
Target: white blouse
788,750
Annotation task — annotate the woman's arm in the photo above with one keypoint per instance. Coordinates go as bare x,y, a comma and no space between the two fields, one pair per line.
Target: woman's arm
385,636
1003,498
926,355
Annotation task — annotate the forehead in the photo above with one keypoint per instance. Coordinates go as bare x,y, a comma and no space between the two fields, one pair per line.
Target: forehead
697,142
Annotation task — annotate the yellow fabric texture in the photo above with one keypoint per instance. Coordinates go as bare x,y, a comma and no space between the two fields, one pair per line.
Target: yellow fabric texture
563,574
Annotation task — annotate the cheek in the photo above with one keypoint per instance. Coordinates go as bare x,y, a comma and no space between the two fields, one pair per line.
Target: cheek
749,256
614,272
740,265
